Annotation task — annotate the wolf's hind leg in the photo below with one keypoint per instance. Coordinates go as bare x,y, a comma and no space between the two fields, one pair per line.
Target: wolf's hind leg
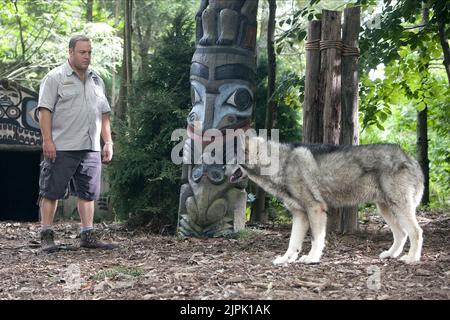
318,222
406,216
397,231
300,226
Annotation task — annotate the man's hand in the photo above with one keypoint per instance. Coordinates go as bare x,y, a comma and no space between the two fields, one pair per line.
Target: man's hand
107,153
49,149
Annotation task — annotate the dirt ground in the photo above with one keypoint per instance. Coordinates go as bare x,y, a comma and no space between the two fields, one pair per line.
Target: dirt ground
156,267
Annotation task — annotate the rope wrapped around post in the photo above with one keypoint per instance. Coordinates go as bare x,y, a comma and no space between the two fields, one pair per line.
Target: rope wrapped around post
332,44
312,45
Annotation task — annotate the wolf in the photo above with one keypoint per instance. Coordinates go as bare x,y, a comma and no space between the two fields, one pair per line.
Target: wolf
309,179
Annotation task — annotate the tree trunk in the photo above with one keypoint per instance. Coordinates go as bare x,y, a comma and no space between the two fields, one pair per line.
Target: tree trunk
260,207
128,55
121,108
89,10
263,26
128,52
19,23
114,101
422,132
349,101
330,90
312,112
444,45
143,36
422,152
125,78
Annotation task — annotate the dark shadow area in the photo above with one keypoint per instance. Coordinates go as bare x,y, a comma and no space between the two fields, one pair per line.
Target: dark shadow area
19,185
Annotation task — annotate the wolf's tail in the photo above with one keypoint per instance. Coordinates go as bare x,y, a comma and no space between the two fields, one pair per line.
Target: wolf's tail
417,172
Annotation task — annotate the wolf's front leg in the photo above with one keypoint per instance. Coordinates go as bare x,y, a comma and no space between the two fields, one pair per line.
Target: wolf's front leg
318,221
300,226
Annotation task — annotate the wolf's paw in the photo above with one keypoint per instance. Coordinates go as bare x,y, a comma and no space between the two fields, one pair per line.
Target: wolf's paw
385,254
280,260
308,260
409,260
287,258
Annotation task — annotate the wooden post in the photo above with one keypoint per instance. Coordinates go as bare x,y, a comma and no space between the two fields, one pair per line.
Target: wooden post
330,89
312,113
330,75
349,100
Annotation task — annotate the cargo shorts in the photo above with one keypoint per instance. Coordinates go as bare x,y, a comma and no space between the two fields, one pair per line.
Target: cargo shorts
76,173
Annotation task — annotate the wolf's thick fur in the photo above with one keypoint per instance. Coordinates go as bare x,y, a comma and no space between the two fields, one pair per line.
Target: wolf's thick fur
311,178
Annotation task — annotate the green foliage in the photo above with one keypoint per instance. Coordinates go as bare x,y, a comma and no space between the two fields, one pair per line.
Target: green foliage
115,271
145,182
411,77
294,24
278,212
40,42
106,47
288,97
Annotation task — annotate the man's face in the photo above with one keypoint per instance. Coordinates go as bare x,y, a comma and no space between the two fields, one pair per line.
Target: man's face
80,56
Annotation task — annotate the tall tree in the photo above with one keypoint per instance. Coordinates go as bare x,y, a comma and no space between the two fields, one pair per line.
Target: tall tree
128,42
19,23
144,30
89,10
260,213
442,14
113,75
422,126
126,72
143,177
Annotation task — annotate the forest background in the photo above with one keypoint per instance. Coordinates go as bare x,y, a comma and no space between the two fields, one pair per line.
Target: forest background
143,49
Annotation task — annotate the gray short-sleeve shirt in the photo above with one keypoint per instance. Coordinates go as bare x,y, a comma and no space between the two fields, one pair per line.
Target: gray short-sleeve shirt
76,107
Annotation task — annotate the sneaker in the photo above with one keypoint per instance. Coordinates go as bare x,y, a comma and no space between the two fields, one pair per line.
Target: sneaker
89,240
48,241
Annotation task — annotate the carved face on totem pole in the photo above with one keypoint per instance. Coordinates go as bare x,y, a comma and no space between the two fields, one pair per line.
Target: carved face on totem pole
223,69
223,73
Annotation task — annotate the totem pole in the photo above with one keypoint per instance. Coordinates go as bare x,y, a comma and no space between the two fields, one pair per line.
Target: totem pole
223,73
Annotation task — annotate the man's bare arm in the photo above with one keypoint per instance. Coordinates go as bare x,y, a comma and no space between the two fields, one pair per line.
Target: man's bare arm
106,136
45,122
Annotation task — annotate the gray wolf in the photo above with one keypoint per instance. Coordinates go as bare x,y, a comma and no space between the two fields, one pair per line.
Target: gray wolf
311,178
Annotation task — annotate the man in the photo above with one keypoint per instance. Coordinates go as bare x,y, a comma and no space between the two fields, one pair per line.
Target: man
73,114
